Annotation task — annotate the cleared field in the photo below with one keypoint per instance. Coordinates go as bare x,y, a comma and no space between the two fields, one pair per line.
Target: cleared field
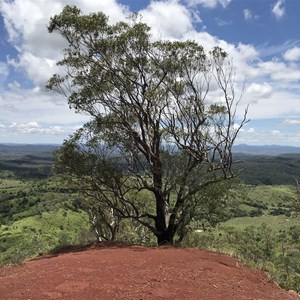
277,223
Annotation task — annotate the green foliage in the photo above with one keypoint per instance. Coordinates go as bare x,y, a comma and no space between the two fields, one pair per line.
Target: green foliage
268,170
32,236
150,104
296,202
20,199
36,215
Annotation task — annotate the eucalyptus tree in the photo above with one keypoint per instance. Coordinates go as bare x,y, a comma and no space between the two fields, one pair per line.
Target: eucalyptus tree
163,118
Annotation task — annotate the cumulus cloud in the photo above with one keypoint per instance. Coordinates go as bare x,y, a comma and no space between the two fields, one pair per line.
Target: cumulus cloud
160,16
257,90
26,23
279,9
269,137
31,132
38,69
242,55
36,111
280,103
33,105
29,127
292,54
279,71
35,128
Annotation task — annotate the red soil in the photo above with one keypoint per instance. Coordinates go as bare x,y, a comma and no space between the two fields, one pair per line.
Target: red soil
135,272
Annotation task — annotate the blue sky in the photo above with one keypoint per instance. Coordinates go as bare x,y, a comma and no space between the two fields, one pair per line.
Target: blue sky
261,36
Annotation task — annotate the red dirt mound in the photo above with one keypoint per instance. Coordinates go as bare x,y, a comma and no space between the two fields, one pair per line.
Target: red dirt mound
135,272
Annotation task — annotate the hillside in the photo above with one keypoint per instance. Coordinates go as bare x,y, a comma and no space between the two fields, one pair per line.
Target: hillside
39,213
135,272
269,165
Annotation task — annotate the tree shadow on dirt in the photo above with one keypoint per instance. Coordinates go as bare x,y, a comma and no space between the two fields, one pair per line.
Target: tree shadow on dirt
91,247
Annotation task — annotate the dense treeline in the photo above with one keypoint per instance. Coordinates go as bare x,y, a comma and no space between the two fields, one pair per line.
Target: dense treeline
269,170
258,169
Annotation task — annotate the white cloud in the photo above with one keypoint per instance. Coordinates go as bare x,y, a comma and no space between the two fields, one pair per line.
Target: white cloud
292,54
291,122
160,16
237,126
38,69
279,71
27,105
248,15
36,128
221,22
280,103
276,132
4,71
33,111
248,52
209,3
278,9
256,90
14,85
33,132
26,22
30,127
269,137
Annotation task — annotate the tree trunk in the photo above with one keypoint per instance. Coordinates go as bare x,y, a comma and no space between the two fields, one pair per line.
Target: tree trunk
165,237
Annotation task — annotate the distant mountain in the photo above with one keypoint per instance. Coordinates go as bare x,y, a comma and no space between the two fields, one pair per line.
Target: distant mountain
26,149
266,149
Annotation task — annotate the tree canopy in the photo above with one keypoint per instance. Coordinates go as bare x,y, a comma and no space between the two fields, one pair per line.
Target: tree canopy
162,119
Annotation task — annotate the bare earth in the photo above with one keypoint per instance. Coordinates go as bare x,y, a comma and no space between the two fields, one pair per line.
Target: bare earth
135,272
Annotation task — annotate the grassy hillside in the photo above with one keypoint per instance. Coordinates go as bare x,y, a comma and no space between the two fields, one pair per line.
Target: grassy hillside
263,231
37,216
35,235
38,213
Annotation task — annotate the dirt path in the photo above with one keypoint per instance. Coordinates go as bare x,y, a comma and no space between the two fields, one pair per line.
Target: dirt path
134,272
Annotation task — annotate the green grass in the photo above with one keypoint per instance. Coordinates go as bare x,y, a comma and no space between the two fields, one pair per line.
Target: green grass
37,216
35,235
11,184
277,223
271,195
